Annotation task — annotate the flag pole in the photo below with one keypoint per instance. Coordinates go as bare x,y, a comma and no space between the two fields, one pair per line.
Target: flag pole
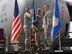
33,34
35,16
59,41
60,50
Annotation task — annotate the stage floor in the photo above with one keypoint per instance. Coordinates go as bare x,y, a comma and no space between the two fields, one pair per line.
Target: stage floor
39,52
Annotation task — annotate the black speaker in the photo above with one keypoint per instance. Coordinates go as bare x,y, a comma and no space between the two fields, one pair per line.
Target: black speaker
66,29
12,52
1,52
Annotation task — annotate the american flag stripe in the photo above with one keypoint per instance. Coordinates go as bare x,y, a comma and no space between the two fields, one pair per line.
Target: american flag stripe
15,20
15,27
16,34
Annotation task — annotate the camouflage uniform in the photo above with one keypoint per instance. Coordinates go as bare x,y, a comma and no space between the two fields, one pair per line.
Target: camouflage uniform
27,30
40,33
47,24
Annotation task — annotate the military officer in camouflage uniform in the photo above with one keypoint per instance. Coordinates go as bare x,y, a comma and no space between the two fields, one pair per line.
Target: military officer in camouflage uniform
40,33
27,28
47,24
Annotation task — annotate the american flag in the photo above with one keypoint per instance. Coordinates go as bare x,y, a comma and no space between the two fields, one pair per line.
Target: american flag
34,25
16,23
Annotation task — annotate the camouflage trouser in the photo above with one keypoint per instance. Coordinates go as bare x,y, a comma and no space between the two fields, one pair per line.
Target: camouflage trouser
47,37
27,40
40,40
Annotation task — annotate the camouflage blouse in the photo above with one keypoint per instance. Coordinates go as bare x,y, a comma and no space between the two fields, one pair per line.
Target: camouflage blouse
40,22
